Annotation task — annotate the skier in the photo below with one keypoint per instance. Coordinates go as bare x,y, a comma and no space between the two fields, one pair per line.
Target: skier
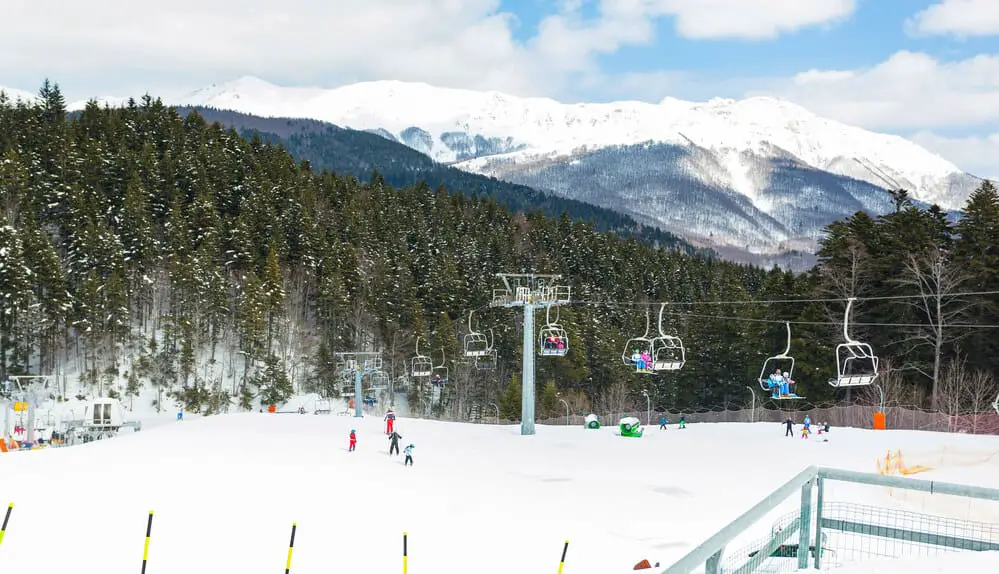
805,431
683,422
662,422
353,440
790,427
389,421
409,455
394,446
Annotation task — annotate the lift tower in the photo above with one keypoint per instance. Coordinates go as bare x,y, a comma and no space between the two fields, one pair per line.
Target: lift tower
530,291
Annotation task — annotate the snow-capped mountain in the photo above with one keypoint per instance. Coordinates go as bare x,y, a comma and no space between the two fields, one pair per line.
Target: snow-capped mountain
760,173
15,95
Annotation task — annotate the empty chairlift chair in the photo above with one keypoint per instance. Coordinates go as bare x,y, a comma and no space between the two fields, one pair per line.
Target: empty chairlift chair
476,344
780,385
856,363
552,339
638,351
421,366
668,353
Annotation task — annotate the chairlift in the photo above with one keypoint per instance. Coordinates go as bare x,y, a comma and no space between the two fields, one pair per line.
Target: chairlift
856,363
667,353
441,373
552,340
779,386
635,348
476,343
487,362
421,366
378,381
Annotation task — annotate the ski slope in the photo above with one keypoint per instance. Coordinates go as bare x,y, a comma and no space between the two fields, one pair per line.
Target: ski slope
479,498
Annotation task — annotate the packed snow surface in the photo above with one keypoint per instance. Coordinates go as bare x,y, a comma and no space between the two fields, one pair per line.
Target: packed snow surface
226,490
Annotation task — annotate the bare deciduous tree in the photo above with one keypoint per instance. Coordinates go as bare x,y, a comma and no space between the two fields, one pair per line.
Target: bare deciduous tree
978,391
936,279
954,376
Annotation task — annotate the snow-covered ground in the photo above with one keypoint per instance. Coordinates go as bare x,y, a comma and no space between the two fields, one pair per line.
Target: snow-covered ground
479,498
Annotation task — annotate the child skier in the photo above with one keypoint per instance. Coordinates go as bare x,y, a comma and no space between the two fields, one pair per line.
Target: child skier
389,421
662,422
683,422
394,446
409,455
353,440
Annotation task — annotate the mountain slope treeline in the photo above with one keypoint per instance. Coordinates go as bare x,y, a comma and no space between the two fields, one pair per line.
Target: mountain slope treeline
362,154
143,247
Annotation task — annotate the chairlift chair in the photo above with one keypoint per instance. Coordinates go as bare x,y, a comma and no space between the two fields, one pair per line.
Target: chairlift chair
476,344
668,353
488,362
441,371
784,356
856,363
421,366
552,339
630,356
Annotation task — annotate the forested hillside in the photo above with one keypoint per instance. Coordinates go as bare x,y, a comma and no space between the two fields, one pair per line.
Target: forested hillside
141,247
360,154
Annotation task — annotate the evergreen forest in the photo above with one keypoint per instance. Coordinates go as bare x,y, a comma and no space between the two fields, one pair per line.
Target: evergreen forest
143,248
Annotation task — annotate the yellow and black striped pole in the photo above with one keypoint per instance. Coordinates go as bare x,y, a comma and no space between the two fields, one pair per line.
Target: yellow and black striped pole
6,519
405,552
291,547
145,548
562,563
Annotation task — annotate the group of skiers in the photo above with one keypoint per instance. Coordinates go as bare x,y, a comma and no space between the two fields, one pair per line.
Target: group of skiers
806,427
663,422
393,437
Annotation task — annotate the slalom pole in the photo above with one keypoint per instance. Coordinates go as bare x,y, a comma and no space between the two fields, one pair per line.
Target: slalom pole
145,549
6,519
564,550
291,547
405,552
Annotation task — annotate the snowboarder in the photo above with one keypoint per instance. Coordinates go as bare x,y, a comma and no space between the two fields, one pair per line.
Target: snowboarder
790,427
394,445
662,422
683,422
389,421
409,455
353,440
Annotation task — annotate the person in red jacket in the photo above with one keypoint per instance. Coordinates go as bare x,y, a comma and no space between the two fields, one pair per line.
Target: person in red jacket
353,440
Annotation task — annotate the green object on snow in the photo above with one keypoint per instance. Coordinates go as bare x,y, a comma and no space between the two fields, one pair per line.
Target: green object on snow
631,427
591,421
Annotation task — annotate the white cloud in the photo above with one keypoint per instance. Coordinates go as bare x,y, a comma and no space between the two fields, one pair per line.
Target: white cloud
752,19
957,17
978,155
908,91
467,43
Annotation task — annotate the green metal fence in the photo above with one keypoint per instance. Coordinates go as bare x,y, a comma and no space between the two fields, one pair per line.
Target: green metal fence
845,531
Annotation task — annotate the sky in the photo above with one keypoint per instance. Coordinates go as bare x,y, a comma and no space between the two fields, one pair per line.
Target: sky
924,69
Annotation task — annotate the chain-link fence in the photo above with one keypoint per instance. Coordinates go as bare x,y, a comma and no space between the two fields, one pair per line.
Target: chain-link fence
852,416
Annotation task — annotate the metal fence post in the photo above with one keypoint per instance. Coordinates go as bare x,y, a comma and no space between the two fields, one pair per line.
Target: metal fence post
805,528
818,522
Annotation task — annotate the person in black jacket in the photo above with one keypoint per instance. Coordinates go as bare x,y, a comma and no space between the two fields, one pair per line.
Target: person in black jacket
394,446
790,427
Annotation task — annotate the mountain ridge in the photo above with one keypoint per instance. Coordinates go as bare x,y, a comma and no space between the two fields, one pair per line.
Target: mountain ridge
779,172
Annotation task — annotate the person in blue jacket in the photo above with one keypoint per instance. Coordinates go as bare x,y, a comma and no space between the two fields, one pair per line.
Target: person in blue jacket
662,422
408,451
